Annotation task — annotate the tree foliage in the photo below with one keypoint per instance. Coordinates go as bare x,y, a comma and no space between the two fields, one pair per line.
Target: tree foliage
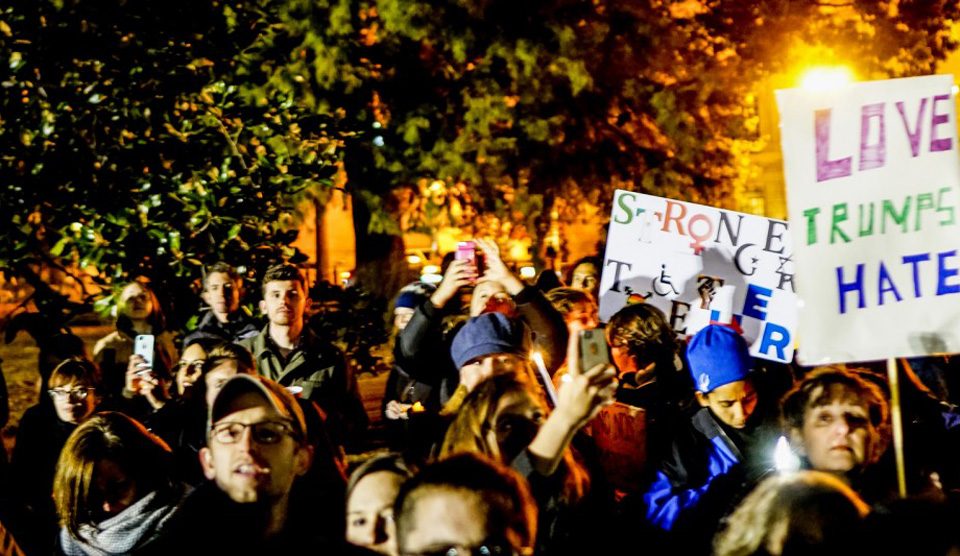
146,137
131,143
504,99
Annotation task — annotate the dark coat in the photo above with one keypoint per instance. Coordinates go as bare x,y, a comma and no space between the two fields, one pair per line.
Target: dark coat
423,350
240,327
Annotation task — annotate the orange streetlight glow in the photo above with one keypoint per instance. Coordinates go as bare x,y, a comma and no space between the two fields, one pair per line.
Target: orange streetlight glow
826,78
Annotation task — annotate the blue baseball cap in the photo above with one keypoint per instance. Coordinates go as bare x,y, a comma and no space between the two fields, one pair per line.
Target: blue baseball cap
487,334
718,355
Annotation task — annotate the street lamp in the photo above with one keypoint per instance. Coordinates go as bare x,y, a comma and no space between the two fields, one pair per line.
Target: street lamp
826,78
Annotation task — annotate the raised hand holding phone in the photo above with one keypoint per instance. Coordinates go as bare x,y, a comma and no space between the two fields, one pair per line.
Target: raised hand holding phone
578,401
496,269
458,275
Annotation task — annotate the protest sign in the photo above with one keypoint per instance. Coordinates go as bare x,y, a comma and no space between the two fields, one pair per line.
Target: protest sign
873,186
676,256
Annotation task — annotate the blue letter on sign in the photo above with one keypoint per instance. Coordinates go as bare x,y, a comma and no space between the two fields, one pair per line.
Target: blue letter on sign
943,273
775,336
757,298
844,287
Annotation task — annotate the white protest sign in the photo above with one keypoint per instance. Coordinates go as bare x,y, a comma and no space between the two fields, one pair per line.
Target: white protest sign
671,254
873,187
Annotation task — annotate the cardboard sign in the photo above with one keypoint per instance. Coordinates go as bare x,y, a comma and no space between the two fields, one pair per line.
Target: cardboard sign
873,189
620,434
700,264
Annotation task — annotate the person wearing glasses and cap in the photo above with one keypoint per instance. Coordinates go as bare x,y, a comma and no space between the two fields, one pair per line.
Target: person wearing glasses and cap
73,388
257,448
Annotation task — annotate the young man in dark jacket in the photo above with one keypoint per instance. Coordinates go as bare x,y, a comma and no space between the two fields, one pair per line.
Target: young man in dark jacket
225,320
724,446
291,354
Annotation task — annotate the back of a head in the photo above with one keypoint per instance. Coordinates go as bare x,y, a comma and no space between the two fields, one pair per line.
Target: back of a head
800,514
644,332
143,457
224,351
506,505
57,348
567,299
915,526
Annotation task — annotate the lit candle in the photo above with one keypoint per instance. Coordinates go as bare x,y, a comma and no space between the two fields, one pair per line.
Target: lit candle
784,460
545,376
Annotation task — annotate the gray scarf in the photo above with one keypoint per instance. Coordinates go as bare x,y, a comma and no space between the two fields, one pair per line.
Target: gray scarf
125,532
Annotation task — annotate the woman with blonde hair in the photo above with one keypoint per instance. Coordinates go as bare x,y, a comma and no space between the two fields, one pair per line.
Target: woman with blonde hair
798,514
138,312
113,489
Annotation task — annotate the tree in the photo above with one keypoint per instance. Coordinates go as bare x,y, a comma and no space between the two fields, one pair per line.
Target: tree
508,102
132,144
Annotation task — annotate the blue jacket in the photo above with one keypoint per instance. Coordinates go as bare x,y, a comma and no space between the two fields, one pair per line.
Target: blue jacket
699,455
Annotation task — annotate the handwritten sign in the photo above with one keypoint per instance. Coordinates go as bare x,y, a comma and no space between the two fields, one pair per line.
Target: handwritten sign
676,256
620,434
873,188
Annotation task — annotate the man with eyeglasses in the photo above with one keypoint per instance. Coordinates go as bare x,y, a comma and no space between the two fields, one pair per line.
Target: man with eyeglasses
256,449
465,505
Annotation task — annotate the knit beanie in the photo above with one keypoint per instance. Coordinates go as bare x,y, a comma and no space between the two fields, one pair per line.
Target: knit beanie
487,334
412,295
717,355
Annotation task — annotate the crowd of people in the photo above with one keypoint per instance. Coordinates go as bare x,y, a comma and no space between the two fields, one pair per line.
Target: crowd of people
230,439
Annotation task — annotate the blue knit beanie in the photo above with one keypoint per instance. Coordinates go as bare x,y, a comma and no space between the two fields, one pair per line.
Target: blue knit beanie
717,355
412,295
487,334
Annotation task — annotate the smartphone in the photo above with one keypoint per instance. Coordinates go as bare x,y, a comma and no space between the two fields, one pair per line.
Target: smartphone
143,346
467,251
593,349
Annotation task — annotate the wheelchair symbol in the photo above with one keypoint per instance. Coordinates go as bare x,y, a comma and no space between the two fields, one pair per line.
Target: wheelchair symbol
664,283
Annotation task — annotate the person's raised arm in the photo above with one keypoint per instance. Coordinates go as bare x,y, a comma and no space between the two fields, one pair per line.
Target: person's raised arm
421,340
550,333
579,401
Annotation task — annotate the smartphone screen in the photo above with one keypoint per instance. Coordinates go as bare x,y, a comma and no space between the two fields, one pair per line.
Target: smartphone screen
143,346
467,251
593,349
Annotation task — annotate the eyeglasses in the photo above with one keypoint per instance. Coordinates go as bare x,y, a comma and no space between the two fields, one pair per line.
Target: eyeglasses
264,432
196,365
485,549
74,395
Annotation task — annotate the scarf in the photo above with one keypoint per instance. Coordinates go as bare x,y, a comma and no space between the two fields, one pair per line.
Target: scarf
130,529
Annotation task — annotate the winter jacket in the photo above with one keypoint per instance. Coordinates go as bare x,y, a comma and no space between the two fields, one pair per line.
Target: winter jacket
320,369
239,328
698,457
423,350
